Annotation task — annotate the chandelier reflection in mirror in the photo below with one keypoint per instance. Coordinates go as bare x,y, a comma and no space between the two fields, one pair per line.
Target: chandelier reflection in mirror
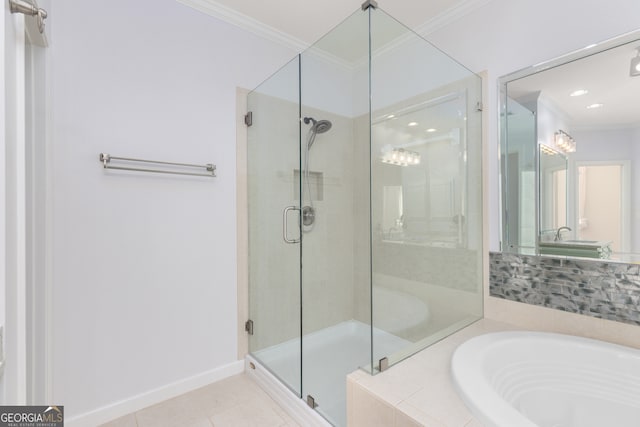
399,156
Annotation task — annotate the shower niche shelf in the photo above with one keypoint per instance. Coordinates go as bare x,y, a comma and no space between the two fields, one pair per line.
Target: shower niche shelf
315,186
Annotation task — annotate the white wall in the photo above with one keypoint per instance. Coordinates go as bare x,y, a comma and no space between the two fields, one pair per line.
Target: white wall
613,144
549,118
507,35
144,266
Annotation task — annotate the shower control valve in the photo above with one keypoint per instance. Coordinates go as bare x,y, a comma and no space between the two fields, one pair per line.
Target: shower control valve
308,215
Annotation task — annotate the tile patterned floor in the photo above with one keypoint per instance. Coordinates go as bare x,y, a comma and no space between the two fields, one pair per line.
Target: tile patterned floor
233,402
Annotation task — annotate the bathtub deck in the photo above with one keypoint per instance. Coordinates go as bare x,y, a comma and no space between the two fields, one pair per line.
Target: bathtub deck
418,391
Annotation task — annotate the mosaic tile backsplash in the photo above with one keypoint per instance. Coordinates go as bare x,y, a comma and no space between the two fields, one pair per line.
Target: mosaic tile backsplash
606,290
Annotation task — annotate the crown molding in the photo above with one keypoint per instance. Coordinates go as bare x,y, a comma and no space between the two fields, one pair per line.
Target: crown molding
447,17
226,14
450,15
233,17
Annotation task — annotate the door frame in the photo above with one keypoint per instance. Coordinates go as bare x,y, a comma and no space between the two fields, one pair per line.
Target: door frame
625,191
26,342
13,220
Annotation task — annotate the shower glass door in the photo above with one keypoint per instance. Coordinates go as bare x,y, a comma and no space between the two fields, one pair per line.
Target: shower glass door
336,310
273,165
365,207
426,192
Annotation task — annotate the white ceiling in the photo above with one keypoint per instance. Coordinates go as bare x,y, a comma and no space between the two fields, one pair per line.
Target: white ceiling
605,75
303,22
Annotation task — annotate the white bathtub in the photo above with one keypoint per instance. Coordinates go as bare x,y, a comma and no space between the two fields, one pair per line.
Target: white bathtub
529,379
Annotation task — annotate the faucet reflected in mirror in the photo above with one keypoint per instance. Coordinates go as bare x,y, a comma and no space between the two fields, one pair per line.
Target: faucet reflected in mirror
559,233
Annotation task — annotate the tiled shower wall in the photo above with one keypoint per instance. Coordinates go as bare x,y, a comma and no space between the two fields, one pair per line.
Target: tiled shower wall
595,288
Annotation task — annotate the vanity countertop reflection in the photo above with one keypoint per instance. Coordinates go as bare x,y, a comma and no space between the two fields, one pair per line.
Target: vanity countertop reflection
577,248
580,244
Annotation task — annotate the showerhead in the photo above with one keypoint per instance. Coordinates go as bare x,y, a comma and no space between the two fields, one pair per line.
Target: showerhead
322,126
319,126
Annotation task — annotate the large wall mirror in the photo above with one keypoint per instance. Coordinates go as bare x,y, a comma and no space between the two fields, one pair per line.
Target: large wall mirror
570,154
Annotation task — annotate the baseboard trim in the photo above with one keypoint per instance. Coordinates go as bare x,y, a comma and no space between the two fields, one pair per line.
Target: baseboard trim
295,407
140,401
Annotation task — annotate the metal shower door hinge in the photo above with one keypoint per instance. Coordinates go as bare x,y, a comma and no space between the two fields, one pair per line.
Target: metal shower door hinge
248,326
479,106
248,118
311,402
383,364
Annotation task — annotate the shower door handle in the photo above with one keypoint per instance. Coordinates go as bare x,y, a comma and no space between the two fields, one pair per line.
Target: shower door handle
284,224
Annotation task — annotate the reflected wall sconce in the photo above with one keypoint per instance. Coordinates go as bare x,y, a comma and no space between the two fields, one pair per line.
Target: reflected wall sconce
635,64
564,142
399,156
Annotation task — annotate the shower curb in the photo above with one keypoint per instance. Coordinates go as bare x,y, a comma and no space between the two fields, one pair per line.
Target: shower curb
295,407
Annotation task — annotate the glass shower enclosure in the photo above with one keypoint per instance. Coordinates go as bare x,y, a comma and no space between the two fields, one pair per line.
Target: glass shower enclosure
365,207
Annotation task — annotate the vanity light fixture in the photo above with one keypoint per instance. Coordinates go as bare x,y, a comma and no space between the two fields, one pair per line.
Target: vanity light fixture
635,64
579,92
545,149
564,142
399,156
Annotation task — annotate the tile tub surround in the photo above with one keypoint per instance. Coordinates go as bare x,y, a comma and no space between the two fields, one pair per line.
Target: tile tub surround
427,264
418,391
605,290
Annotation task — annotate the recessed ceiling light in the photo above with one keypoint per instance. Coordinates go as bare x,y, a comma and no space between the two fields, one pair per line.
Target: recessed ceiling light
431,130
593,106
412,124
579,92
391,116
